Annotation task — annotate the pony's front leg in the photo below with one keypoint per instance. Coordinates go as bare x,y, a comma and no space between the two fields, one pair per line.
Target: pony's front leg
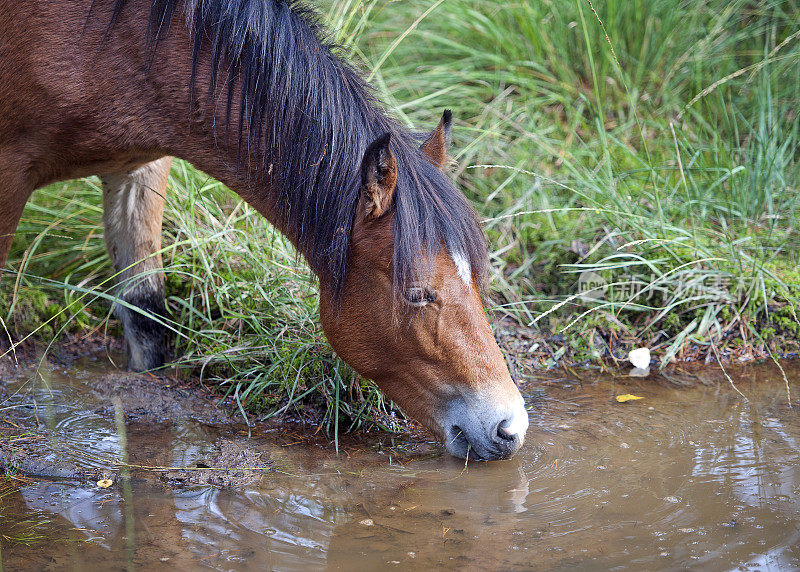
15,189
133,207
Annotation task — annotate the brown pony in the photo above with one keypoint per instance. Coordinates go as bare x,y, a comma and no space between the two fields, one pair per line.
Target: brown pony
249,92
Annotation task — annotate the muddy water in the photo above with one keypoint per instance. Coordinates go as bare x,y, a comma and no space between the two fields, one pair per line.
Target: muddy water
692,475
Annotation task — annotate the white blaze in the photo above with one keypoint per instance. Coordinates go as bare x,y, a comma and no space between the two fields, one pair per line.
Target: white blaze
462,267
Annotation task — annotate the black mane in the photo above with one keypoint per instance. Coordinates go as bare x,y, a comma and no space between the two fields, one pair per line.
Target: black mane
311,116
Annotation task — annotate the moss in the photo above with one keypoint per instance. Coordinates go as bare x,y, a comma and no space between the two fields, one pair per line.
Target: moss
672,323
45,315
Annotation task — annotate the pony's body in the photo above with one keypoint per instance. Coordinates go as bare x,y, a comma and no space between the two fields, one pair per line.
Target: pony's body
245,91
69,109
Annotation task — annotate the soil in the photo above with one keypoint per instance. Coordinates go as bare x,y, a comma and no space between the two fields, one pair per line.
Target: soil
155,408
151,405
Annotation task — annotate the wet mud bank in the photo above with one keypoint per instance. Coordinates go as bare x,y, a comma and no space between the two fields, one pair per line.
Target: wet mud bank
75,417
47,418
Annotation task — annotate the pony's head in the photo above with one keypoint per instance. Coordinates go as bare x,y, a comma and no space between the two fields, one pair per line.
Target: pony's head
398,250
418,327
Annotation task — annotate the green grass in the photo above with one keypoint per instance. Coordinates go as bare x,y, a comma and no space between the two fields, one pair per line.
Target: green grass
654,143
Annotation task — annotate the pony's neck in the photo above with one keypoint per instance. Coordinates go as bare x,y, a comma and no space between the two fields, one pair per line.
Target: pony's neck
288,134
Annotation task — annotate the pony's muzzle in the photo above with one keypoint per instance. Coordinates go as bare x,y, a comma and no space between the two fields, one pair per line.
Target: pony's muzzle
479,429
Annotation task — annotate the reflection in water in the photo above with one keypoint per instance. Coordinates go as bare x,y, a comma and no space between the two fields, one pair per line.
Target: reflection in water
683,478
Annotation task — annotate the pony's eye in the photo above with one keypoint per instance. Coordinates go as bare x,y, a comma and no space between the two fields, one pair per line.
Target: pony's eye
418,296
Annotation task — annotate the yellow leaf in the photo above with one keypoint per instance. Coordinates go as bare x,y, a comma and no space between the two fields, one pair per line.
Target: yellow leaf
104,483
627,397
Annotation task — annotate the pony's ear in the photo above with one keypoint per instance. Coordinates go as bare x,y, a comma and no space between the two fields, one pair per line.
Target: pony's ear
435,146
378,177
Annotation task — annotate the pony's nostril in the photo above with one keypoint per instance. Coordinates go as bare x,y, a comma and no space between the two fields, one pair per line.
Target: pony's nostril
505,432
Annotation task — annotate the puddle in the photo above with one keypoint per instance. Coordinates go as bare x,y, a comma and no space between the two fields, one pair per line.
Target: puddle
689,476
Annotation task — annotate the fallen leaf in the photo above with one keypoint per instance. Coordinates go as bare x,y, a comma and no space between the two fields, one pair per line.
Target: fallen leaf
640,358
627,397
367,522
104,483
